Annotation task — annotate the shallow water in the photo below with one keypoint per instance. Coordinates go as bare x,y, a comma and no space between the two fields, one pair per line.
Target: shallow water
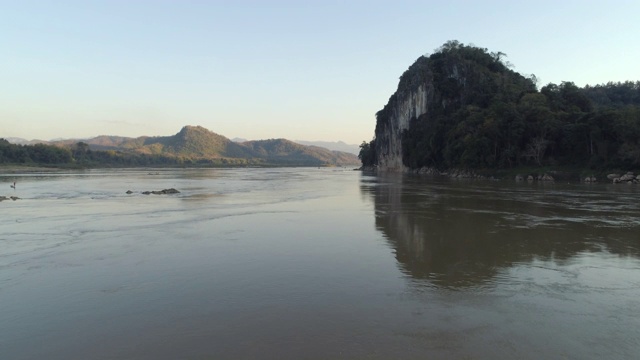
315,263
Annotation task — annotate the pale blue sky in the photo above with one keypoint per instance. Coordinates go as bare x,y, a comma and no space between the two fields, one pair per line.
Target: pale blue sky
306,70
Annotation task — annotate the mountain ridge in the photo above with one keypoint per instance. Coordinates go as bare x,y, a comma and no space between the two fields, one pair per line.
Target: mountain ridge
200,144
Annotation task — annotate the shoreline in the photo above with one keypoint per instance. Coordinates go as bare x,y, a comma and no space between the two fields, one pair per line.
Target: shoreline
14,169
520,174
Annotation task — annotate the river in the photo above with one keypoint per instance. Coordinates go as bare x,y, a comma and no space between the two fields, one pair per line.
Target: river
316,264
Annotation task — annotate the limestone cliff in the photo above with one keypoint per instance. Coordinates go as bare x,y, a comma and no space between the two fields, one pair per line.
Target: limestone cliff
415,94
418,127
389,132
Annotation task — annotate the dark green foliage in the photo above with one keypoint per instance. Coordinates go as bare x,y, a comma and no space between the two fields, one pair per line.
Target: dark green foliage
482,114
472,120
367,154
33,154
614,95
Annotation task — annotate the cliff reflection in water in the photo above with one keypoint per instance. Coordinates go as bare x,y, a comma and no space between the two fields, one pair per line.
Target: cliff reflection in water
465,233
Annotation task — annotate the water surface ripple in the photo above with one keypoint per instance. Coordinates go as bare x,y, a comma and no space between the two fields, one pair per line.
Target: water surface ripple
315,264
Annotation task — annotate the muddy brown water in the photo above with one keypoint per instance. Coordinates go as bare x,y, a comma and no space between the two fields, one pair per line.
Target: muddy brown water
316,264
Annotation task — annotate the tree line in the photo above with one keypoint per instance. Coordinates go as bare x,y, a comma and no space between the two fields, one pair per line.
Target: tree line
81,155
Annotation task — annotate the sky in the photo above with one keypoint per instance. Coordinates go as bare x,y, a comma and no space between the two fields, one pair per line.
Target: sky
301,70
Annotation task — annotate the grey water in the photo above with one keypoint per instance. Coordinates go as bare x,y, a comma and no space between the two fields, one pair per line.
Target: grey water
315,264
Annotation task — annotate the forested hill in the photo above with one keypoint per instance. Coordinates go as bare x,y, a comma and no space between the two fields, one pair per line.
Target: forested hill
192,146
465,107
284,151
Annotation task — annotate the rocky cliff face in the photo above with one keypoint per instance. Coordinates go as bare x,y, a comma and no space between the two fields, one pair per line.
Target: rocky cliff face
389,132
452,109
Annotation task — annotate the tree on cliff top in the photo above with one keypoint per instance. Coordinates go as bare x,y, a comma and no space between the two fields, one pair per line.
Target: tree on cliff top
482,114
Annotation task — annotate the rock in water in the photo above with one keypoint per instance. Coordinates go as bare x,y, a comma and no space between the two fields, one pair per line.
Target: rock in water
627,177
161,192
170,191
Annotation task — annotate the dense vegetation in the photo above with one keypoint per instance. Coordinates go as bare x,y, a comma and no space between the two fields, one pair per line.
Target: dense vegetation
287,152
482,114
28,154
192,146
80,154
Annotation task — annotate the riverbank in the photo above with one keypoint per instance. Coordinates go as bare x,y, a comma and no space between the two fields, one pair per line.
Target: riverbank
22,169
547,174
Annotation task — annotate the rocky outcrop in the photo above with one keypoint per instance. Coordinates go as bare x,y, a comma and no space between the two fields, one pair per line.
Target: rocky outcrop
451,173
531,178
3,198
398,115
158,192
416,127
162,192
628,178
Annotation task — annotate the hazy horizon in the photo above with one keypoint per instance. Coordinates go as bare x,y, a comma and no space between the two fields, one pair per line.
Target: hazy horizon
279,69
235,138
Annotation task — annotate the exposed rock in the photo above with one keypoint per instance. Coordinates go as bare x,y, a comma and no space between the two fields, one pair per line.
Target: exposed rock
14,198
519,178
461,174
170,191
590,179
451,173
627,177
530,178
402,109
161,192
428,171
129,192
547,177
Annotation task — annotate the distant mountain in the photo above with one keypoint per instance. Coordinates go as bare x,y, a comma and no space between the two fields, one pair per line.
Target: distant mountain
16,140
102,142
285,151
21,141
337,146
191,141
197,143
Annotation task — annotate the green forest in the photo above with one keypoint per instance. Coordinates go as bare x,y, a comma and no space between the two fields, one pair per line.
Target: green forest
193,146
80,155
484,115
